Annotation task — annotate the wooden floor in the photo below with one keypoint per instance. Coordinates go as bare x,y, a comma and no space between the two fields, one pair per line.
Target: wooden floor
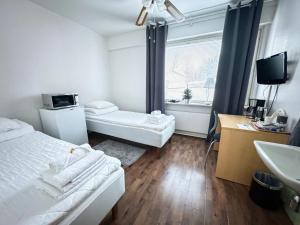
173,190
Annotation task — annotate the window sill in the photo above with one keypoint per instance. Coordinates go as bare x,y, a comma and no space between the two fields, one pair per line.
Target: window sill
188,108
189,104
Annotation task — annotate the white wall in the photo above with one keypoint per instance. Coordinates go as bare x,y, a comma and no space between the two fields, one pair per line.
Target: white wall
42,52
285,36
128,82
127,54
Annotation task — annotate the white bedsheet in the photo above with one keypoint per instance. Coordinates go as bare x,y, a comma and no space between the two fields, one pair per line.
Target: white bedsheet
132,119
22,160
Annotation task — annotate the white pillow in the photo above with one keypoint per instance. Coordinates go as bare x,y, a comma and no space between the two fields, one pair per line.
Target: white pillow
12,134
8,124
99,104
91,111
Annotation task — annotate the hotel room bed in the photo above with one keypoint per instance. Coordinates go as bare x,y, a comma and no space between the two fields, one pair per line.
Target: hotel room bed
24,154
131,126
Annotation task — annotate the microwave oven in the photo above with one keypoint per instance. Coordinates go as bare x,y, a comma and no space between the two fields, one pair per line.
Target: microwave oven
59,101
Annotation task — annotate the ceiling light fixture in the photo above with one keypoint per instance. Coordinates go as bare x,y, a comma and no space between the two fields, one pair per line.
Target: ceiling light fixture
154,7
178,16
142,17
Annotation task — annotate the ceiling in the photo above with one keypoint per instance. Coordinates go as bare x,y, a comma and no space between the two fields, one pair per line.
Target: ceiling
111,17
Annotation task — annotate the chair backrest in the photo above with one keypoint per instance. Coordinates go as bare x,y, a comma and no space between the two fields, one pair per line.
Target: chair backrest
295,135
214,127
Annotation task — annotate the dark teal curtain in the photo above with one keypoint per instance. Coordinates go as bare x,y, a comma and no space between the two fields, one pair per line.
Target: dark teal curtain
238,46
156,37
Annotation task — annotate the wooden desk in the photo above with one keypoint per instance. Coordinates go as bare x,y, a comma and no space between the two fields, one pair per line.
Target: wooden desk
237,157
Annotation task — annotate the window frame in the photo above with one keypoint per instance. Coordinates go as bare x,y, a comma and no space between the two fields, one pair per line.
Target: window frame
260,50
193,40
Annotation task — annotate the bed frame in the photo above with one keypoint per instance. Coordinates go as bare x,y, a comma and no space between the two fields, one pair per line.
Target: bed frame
94,209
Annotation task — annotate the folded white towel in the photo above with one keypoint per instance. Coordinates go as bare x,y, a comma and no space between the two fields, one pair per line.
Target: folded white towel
66,176
155,122
156,112
160,116
156,119
57,194
103,168
94,167
69,158
69,188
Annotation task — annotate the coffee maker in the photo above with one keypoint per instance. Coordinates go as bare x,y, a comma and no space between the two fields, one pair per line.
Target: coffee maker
255,106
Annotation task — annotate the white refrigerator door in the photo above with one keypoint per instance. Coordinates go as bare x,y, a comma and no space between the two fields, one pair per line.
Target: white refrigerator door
72,126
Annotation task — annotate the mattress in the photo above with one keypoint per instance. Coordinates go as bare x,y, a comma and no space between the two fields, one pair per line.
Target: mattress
131,119
22,160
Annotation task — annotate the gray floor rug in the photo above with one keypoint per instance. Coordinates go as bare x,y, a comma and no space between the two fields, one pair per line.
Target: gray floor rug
127,154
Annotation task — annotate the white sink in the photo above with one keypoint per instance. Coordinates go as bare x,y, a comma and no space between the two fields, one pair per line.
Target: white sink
282,160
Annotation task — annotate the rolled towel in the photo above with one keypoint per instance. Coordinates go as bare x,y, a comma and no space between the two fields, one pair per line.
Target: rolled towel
59,195
68,175
69,158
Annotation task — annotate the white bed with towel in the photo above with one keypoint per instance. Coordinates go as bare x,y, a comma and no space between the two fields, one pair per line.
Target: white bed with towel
150,129
44,180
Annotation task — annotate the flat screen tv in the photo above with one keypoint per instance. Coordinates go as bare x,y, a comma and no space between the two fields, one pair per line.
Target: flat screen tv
272,70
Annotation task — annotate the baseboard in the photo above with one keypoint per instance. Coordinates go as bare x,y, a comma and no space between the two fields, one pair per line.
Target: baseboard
192,134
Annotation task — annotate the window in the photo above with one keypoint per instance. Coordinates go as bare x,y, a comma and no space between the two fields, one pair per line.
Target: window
192,65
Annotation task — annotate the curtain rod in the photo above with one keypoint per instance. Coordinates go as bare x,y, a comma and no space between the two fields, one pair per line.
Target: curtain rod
248,4
157,25
242,6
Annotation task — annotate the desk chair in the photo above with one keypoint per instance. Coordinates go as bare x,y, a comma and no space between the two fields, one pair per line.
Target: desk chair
215,136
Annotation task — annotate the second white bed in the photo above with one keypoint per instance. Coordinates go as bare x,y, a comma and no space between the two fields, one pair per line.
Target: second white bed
132,126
